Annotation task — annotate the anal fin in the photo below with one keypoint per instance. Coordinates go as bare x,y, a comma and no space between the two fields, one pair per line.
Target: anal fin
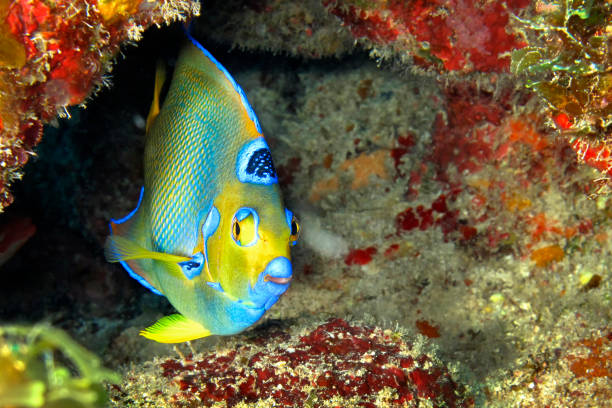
175,328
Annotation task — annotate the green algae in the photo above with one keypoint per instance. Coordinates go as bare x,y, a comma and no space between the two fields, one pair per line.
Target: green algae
37,369
567,61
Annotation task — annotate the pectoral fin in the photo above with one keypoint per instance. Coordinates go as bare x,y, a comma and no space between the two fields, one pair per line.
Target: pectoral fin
118,248
175,328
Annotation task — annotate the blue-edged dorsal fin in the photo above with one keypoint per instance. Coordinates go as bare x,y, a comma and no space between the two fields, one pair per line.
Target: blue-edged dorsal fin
175,328
243,99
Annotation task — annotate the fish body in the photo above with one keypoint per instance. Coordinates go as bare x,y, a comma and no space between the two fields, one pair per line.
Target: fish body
210,231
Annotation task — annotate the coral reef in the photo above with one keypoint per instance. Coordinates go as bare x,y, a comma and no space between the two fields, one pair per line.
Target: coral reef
576,374
302,28
448,35
37,370
481,237
444,203
567,62
563,47
54,54
333,364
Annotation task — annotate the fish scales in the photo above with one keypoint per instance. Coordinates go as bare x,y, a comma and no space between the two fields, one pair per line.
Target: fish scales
198,153
210,231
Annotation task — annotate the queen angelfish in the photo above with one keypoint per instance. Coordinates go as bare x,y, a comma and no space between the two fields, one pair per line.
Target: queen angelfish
210,231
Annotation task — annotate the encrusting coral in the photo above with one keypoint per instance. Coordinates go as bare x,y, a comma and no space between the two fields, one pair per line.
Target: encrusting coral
54,54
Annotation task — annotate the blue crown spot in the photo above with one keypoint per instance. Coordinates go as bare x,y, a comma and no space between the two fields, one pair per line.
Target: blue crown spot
254,164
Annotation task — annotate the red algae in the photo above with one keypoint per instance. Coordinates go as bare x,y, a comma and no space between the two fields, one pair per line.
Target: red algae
405,143
597,155
598,360
438,214
392,250
333,364
360,256
427,329
406,220
450,35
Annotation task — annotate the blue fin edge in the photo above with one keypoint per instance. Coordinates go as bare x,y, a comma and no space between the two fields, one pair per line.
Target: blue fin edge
127,217
129,270
140,279
237,88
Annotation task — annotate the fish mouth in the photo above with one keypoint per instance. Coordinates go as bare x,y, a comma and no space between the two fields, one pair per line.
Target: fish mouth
272,282
277,279
278,271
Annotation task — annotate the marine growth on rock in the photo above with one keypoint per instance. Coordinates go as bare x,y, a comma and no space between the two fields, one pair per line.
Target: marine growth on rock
54,54
567,62
334,364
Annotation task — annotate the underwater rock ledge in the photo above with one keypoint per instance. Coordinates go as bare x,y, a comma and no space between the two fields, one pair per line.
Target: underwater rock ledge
331,364
54,54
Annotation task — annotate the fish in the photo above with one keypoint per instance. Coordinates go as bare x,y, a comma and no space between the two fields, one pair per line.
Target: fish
210,231
14,233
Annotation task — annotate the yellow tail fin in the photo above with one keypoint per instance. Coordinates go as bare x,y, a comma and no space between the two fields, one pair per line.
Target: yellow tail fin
175,328
160,78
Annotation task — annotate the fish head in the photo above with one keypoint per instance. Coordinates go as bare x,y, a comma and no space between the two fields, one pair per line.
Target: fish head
249,253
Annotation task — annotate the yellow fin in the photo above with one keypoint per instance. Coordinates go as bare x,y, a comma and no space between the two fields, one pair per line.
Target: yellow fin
160,78
118,249
175,328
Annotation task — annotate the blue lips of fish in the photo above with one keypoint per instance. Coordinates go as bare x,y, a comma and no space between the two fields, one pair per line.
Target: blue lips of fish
210,231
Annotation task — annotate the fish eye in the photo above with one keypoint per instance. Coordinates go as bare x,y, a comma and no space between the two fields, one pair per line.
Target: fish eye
295,230
236,230
244,227
294,227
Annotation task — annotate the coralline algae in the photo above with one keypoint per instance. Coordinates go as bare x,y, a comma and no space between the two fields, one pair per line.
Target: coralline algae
334,364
